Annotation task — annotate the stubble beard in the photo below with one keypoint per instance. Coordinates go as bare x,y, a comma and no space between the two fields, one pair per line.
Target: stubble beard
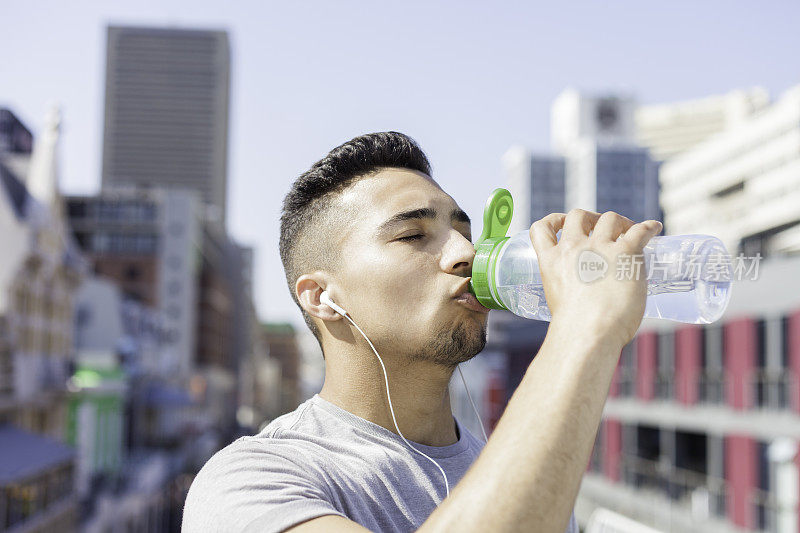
451,346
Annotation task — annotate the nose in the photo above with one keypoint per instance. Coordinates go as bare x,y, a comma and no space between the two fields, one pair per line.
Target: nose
457,255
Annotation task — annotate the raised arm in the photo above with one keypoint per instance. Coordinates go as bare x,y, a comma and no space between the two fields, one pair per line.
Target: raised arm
528,475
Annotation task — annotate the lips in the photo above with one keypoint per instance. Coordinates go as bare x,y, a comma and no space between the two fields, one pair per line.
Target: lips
468,300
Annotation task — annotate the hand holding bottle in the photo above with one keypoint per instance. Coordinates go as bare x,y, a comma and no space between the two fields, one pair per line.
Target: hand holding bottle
688,277
609,306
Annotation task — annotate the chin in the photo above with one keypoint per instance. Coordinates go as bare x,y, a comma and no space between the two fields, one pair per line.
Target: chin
455,344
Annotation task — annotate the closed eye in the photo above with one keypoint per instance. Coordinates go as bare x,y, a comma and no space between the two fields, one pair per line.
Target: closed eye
410,238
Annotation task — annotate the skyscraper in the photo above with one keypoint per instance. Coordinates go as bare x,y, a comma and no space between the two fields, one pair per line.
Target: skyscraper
596,166
166,111
606,170
536,182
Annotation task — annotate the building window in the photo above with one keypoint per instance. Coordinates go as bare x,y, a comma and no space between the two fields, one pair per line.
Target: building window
627,370
174,287
132,272
761,384
174,312
76,209
596,459
665,372
785,342
712,388
761,498
772,379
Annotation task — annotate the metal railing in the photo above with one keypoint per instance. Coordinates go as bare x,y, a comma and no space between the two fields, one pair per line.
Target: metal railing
765,510
773,389
766,389
711,387
626,381
704,495
665,386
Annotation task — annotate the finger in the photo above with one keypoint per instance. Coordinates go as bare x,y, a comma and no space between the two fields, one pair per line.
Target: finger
611,225
578,224
544,231
640,234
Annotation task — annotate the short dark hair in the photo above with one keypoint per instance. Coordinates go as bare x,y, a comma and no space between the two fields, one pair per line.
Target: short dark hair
306,216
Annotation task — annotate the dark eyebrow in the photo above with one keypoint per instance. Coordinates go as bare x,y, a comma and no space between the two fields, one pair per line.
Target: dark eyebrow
421,213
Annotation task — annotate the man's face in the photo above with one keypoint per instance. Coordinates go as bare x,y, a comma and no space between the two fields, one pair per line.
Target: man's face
399,276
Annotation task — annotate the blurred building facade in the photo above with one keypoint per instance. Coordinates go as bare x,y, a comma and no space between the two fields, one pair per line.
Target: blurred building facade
127,325
281,341
39,276
606,170
149,242
672,128
135,431
536,182
700,431
16,145
156,246
701,427
596,165
166,111
742,184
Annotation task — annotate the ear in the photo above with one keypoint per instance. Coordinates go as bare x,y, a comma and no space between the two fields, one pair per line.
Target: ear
308,288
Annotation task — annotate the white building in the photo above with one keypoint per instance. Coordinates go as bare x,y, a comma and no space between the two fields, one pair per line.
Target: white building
148,241
743,184
575,116
670,129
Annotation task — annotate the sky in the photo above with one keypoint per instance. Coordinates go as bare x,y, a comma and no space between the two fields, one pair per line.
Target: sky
466,79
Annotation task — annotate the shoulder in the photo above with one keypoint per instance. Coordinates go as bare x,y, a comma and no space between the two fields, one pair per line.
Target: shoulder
254,476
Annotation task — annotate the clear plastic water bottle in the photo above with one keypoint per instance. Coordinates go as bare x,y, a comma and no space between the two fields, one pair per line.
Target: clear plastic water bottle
688,276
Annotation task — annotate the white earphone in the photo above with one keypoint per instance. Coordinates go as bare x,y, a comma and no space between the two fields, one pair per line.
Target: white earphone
326,299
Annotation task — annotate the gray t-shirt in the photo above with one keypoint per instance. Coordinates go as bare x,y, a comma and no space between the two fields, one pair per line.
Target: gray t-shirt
322,460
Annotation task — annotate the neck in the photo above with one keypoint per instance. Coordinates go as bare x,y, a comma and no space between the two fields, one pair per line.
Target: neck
419,390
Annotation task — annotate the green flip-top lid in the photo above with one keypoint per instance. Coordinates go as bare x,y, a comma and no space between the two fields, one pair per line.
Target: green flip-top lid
496,220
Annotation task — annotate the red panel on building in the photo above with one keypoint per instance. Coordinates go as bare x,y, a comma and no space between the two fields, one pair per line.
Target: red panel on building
612,448
741,474
793,352
740,360
687,363
646,350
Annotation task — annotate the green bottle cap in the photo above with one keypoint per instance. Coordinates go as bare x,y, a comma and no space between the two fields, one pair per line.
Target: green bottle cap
496,220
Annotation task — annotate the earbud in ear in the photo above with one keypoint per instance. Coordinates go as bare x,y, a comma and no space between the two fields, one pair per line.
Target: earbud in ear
324,298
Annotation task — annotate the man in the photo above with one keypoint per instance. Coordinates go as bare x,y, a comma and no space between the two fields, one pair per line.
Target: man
369,226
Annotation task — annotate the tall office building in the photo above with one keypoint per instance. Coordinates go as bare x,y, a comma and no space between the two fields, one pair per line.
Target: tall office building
606,170
536,182
166,111
597,164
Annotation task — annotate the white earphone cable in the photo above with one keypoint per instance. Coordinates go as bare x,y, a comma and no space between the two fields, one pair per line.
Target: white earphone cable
391,409
475,409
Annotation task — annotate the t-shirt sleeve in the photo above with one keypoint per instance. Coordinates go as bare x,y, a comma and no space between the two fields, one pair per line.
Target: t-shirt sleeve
248,483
